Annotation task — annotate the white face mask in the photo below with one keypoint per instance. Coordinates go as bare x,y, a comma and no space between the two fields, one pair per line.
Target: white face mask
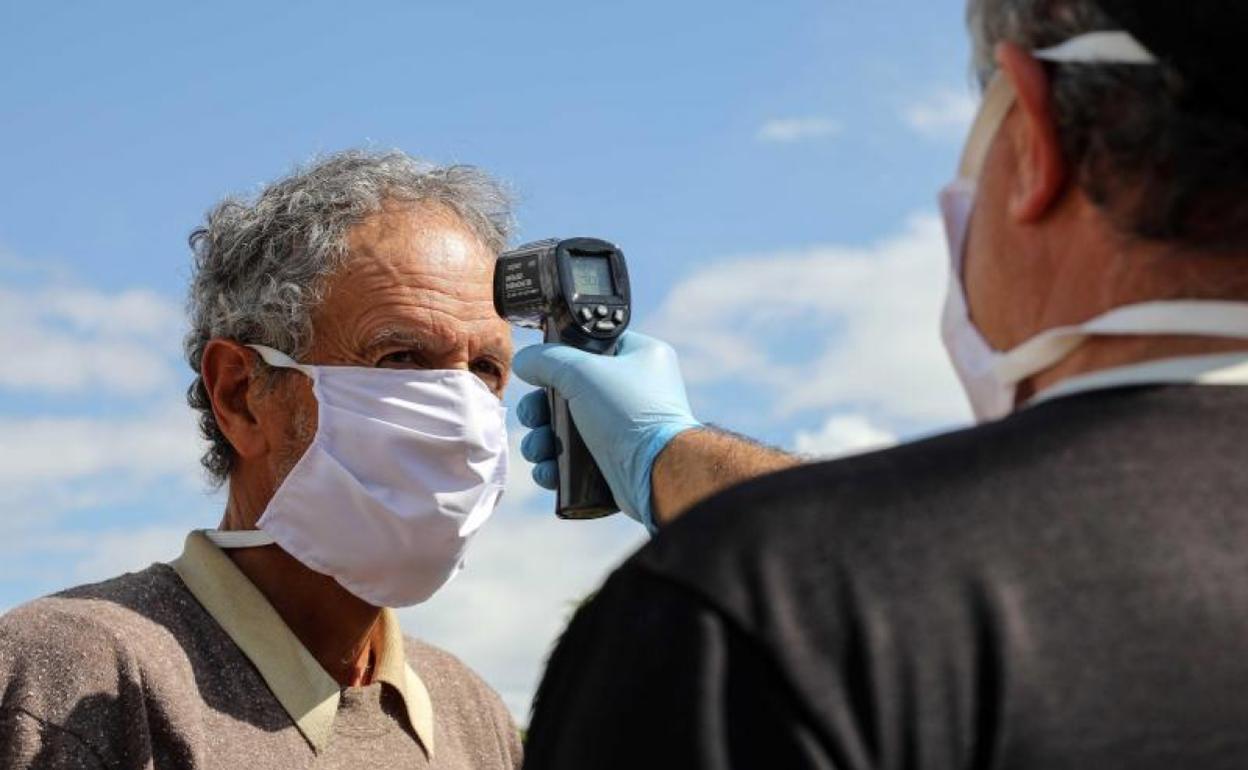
405,467
991,377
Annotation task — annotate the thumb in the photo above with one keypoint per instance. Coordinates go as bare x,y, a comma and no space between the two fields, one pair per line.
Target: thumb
636,343
550,366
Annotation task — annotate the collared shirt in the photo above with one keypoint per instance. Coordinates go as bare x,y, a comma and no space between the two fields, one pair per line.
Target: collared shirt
188,666
1217,369
309,694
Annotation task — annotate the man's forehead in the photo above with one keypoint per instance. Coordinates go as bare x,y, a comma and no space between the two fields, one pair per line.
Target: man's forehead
405,242
416,277
399,224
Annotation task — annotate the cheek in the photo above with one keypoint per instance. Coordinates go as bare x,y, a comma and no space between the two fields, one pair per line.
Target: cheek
985,268
303,422
290,424
977,261
303,415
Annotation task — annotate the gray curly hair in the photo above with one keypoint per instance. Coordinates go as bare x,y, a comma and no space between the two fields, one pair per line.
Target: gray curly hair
1159,170
261,264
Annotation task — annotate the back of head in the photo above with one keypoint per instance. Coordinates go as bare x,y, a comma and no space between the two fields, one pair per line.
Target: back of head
1163,151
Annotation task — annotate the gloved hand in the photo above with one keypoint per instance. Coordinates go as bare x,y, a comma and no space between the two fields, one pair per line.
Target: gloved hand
627,408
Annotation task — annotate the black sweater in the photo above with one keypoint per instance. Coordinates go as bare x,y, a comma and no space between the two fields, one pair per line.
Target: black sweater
1067,588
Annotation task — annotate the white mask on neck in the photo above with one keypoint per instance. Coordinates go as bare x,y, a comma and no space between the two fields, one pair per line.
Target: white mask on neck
405,467
991,377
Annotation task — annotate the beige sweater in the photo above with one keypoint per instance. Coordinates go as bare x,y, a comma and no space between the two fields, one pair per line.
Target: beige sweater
135,673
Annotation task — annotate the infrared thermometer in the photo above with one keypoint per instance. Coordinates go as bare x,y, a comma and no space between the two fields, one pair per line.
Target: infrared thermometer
576,291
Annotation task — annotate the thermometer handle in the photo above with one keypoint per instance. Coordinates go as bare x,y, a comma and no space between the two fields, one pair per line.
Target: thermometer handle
583,492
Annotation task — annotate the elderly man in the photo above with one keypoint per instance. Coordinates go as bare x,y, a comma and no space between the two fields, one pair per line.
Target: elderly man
1064,586
349,365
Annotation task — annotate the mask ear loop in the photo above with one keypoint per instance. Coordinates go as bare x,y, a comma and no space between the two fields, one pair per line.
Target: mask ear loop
1113,47
239,538
282,361
256,538
997,102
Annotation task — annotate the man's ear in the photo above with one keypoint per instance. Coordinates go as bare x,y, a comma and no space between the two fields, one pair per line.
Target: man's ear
226,369
1039,166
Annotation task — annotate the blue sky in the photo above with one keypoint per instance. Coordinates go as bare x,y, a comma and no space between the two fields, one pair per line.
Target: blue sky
769,168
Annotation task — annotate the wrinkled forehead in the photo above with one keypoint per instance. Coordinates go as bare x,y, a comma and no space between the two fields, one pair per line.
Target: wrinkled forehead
426,232
415,267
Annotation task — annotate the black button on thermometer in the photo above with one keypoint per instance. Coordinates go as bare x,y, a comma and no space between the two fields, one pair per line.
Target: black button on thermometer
576,291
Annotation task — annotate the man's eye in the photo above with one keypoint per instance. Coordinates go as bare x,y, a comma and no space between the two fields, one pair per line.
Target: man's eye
401,359
489,372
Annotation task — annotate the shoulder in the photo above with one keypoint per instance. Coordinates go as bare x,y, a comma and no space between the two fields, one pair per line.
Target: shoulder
957,488
826,509
891,532
112,608
120,606
464,705
86,639
708,691
443,672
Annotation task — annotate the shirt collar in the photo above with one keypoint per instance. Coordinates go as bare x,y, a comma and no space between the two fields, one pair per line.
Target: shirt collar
1220,369
305,690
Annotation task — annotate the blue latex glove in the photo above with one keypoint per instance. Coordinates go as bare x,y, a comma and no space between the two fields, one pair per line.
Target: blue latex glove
627,408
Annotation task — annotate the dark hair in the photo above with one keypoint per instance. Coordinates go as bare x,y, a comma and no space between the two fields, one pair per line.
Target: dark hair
1161,167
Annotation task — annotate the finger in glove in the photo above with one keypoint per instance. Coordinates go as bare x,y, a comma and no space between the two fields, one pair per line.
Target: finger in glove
546,474
533,410
539,445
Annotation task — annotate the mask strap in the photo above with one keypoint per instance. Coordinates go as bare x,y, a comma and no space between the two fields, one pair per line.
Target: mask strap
238,538
997,102
1194,318
1114,47
281,360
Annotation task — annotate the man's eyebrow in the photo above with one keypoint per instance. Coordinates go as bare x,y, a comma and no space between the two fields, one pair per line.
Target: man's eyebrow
498,350
391,337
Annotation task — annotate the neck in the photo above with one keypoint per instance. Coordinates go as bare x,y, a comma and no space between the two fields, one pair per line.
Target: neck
1101,353
1092,279
342,631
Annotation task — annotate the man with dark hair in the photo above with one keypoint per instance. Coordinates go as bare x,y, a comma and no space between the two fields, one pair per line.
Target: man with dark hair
1063,586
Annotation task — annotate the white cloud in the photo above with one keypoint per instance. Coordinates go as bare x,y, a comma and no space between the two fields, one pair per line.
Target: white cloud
135,312
862,320
521,488
65,340
39,451
33,359
943,114
102,555
841,435
789,130
115,553
44,269
76,348
44,557
53,468
525,575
